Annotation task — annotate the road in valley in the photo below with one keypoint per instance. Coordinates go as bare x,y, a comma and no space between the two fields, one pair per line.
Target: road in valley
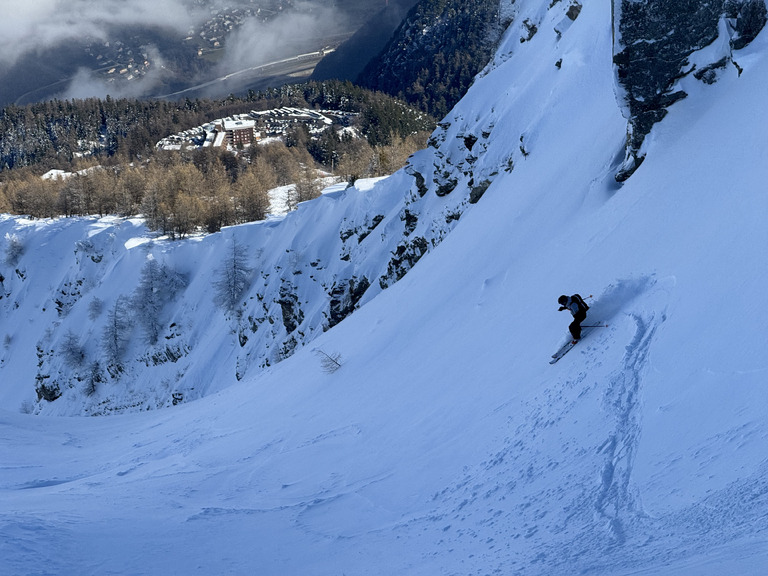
254,77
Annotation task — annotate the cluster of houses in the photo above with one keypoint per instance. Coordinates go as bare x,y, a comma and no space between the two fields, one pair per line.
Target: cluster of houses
224,19
127,59
219,25
119,61
242,130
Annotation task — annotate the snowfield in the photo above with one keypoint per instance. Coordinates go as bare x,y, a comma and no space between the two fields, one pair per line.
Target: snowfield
446,443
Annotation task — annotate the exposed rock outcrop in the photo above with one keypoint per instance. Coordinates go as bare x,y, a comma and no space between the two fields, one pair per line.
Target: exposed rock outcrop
653,41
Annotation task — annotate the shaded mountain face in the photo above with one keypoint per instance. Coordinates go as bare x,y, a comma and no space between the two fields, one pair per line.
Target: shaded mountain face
436,52
653,44
349,60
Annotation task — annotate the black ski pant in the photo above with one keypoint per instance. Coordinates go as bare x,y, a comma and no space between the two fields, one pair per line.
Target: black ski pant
575,326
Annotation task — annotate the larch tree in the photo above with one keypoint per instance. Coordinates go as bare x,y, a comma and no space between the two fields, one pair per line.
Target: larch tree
234,277
117,331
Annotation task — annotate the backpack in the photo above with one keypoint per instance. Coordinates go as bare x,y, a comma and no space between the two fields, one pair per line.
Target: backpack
580,301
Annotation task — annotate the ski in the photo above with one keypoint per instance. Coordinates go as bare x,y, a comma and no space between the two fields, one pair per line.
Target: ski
562,352
570,344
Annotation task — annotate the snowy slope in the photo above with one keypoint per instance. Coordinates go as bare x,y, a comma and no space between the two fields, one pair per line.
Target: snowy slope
306,272
446,443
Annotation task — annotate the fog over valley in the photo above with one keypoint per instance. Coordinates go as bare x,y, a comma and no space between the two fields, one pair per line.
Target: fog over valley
143,48
39,24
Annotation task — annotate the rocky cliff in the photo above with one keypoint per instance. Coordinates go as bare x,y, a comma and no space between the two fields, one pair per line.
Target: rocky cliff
654,46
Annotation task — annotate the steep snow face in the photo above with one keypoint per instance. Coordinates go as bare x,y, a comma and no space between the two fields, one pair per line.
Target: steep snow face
446,443
101,318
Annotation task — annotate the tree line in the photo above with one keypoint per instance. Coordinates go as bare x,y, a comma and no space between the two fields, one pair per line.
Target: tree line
179,192
57,133
207,188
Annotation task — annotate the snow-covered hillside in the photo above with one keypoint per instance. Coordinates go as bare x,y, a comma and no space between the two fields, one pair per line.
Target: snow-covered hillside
446,443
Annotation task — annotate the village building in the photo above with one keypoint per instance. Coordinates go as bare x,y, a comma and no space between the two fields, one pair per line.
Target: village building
240,132
219,138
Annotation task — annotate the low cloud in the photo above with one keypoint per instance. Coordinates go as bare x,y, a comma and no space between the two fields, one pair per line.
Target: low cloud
86,84
35,25
257,43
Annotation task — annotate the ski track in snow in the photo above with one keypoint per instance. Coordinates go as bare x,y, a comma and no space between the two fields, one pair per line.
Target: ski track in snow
604,529
615,498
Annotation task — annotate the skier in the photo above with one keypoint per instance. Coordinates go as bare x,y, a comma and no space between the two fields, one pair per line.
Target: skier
578,308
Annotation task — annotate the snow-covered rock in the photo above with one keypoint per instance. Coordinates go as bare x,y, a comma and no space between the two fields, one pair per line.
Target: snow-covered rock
656,44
